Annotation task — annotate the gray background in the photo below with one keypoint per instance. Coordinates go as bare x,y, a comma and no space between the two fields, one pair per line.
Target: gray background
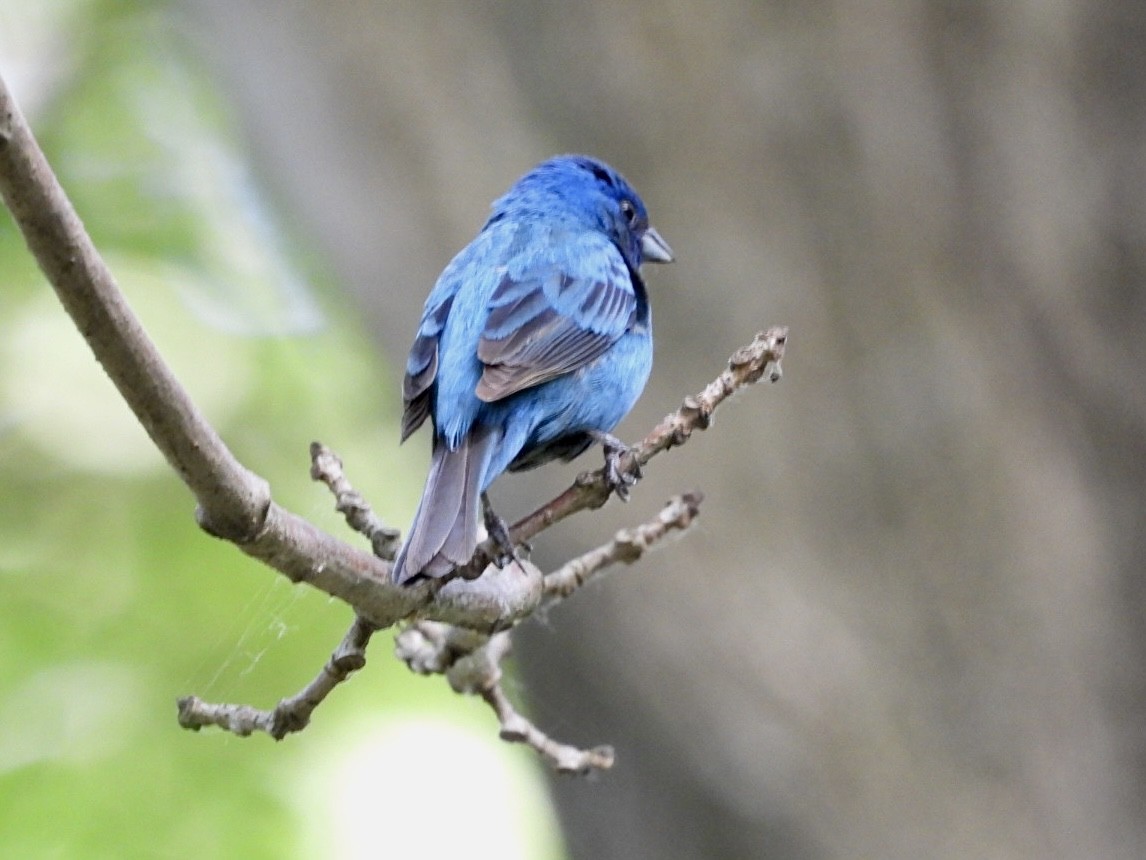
910,621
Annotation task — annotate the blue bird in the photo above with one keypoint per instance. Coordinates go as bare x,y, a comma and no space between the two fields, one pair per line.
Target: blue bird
534,343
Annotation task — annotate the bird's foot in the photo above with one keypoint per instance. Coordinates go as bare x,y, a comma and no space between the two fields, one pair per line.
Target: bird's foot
619,478
499,532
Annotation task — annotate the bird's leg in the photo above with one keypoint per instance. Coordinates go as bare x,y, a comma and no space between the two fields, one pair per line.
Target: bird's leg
499,531
619,480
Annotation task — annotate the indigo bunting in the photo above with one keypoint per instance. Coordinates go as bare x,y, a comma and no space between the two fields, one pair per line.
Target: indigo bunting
534,343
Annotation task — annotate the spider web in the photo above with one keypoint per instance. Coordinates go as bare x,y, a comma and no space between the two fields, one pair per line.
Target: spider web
268,617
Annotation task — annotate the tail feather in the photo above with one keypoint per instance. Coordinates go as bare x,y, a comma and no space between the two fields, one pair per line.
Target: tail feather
444,532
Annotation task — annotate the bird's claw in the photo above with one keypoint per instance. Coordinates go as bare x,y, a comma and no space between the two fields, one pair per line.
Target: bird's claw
619,478
499,533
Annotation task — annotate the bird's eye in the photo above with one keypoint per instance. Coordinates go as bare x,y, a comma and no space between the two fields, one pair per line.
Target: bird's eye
629,211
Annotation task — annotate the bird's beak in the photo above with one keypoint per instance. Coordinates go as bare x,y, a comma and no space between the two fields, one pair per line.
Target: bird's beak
654,249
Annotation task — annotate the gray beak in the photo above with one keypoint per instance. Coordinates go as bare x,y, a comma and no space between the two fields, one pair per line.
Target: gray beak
654,249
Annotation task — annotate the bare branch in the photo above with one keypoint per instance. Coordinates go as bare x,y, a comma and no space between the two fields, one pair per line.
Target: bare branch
232,500
472,666
471,661
562,757
326,466
292,714
627,545
432,648
746,366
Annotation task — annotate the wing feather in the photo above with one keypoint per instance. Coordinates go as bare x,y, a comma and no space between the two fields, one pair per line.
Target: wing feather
548,319
422,366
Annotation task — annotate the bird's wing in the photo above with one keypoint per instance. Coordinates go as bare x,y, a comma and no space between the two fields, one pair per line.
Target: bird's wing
554,313
422,363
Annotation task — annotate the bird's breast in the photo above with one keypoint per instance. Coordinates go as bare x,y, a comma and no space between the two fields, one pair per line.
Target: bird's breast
602,392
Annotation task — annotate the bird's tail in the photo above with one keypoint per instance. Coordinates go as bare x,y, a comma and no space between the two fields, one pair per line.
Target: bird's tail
444,532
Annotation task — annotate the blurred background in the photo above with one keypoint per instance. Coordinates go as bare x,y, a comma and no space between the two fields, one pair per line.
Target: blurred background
910,621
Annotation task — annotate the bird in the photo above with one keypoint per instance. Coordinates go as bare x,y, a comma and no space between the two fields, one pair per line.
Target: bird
533,344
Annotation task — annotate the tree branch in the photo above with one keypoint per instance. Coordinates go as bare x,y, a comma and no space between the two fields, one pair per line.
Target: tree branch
326,466
628,545
472,665
471,661
591,490
462,624
291,714
232,500
233,503
746,366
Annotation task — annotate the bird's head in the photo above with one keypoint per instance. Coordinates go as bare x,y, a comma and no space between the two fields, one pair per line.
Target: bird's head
592,193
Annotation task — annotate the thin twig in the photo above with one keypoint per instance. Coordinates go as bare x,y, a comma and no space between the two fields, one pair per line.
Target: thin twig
326,466
562,757
291,714
472,661
762,357
472,666
432,648
627,545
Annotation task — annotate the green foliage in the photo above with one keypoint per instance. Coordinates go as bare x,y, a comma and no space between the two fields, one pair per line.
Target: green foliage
112,602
